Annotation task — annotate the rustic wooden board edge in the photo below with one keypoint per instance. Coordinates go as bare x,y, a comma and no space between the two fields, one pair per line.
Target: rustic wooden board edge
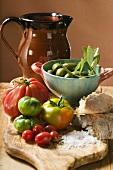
16,151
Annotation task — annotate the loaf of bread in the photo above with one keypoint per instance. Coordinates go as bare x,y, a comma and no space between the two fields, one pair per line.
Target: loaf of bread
95,115
95,103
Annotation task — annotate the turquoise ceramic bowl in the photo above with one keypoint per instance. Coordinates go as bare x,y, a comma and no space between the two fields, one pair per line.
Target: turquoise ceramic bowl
71,89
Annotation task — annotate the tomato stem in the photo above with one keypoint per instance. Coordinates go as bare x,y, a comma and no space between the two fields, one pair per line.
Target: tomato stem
53,103
57,140
59,104
23,82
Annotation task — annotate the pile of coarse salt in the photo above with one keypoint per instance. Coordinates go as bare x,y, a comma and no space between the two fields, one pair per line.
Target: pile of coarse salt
78,139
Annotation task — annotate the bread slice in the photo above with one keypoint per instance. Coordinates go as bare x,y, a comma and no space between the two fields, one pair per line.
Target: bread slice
95,103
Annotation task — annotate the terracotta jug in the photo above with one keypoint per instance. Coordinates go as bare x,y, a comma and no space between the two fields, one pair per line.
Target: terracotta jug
43,39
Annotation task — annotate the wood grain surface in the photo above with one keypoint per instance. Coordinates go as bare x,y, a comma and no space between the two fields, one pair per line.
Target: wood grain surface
12,163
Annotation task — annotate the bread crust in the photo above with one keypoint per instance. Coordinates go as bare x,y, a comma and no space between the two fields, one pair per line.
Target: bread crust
95,103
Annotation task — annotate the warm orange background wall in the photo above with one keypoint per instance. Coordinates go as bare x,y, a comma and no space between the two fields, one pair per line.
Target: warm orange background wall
92,24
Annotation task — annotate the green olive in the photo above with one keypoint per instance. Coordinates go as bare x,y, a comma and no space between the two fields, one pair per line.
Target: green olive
61,72
77,73
70,66
50,71
84,73
56,66
68,75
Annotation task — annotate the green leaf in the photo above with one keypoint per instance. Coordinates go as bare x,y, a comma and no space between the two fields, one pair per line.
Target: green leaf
77,68
94,64
90,55
96,54
82,65
96,51
84,52
88,66
90,60
91,73
97,58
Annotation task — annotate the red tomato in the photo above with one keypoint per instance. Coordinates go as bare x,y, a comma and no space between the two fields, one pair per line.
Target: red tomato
26,87
54,135
38,129
43,138
50,128
27,135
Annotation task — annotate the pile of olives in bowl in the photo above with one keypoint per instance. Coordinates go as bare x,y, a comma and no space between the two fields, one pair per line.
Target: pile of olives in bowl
63,70
68,70
56,75
72,78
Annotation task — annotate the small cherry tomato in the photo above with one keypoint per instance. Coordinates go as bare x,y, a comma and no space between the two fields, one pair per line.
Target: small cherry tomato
27,135
38,129
43,138
49,128
54,135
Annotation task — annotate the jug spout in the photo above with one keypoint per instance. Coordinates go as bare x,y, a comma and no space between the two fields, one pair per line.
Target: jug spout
66,20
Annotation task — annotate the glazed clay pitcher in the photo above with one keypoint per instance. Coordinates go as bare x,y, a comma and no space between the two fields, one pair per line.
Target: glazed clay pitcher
44,38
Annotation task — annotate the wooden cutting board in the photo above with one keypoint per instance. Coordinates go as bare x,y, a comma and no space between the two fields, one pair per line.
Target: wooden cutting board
59,157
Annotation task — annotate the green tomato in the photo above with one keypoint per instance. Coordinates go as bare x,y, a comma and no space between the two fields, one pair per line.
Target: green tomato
57,112
29,106
22,123
34,121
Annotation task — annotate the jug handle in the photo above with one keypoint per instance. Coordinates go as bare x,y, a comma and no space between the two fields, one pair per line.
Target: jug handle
37,68
6,21
105,74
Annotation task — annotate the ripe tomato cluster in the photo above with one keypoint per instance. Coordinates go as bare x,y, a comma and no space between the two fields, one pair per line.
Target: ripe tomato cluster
42,135
25,87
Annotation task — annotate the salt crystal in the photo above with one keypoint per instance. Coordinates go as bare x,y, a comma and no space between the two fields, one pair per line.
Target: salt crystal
78,139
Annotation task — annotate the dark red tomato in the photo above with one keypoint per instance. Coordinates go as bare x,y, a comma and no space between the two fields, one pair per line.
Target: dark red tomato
27,135
54,135
43,138
38,129
49,128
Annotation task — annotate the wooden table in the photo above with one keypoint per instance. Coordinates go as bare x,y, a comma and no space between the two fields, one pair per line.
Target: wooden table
8,162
